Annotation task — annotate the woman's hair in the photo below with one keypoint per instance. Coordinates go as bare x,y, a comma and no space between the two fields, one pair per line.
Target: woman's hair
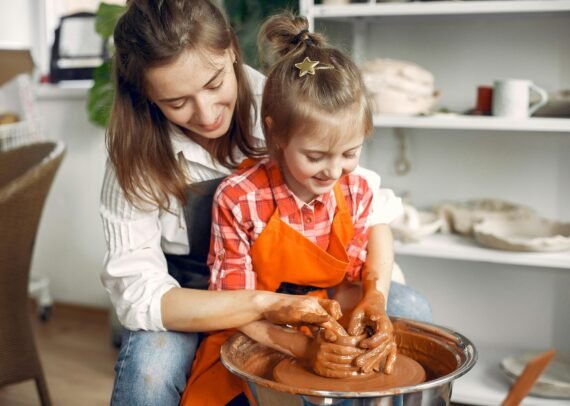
153,33
295,103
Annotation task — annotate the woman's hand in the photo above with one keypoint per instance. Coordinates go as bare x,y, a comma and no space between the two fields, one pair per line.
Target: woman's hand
369,314
297,310
329,359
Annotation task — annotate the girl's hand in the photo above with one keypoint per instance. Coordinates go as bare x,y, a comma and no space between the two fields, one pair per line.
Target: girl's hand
297,310
370,314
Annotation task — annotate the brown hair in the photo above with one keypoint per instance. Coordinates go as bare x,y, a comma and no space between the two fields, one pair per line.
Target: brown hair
153,33
294,103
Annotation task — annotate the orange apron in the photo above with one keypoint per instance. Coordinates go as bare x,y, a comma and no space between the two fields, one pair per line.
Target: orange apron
296,260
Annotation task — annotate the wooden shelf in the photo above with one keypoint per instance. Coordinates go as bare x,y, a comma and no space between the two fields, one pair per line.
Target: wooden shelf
486,384
439,8
452,246
459,122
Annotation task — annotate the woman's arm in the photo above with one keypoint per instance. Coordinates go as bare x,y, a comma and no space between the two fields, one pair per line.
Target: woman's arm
232,300
324,357
135,273
201,310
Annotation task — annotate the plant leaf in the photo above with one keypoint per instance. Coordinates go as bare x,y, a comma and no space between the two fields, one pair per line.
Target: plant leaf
106,18
100,96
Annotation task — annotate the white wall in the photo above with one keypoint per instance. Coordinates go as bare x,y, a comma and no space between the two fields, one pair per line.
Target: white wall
70,244
15,23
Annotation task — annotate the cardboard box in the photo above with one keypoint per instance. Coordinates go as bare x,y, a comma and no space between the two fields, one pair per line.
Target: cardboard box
14,62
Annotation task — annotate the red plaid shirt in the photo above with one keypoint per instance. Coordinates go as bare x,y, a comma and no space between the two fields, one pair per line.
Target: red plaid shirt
243,205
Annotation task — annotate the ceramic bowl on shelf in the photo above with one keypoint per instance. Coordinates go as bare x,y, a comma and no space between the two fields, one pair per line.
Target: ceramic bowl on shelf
554,382
532,234
460,217
415,225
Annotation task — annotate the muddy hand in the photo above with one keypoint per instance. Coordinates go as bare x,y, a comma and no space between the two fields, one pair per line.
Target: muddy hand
332,360
301,310
334,326
369,314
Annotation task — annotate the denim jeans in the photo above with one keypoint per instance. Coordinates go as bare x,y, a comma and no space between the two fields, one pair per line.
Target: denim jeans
153,367
406,302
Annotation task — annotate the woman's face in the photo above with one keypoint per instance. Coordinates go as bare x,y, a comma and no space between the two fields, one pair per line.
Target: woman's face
198,91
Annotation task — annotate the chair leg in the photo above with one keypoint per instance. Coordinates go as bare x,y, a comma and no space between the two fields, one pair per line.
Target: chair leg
42,388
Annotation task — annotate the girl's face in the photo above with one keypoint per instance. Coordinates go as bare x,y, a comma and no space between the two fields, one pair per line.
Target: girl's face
313,162
198,91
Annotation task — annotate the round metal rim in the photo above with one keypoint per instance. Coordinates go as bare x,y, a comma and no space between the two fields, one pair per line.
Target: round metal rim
467,346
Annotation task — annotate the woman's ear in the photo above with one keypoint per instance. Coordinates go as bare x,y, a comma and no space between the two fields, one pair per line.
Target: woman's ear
268,122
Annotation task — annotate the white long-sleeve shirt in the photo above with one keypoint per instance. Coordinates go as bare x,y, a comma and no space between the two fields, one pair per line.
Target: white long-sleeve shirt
135,272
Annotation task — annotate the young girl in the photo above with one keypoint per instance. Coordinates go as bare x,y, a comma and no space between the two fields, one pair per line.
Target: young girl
298,221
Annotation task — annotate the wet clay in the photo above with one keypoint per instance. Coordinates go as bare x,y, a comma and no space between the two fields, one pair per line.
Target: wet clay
437,351
406,372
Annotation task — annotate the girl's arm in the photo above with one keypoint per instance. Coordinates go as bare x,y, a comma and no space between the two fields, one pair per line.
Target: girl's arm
371,310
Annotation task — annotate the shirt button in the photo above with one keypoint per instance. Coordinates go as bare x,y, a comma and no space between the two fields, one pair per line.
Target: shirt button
308,220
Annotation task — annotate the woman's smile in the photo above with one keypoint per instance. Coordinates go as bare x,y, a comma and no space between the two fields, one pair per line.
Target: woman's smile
215,125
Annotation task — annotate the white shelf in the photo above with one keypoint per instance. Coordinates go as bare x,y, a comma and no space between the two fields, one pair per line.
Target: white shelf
451,246
473,123
439,8
72,89
486,384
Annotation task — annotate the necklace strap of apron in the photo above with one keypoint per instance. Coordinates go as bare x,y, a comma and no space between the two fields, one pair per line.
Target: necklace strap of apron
340,199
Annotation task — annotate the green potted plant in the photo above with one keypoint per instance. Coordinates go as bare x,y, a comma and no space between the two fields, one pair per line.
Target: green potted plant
100,96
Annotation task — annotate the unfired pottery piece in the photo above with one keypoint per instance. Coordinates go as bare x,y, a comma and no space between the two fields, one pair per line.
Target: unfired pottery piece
554,381
415,225
460,217
533,234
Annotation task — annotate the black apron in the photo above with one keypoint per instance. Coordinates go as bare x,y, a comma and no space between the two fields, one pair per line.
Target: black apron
191,270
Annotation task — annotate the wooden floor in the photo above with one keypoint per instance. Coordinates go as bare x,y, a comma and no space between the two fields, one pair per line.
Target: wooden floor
77,357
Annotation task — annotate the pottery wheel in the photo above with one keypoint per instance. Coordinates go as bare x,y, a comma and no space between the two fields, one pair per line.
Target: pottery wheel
406,372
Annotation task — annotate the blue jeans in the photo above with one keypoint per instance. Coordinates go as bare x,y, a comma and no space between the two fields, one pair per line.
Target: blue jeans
406,302
153,367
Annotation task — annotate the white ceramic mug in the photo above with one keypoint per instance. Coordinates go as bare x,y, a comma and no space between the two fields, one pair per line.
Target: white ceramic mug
511,98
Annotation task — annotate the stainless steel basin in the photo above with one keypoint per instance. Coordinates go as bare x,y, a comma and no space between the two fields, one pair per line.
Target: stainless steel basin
445,355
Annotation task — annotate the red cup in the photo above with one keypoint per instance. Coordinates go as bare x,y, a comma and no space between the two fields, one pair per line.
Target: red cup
484,100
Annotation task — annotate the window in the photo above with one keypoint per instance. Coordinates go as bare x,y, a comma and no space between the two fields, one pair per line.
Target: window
47,16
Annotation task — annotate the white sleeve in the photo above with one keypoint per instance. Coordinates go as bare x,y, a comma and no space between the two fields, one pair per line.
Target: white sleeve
386,206
135,272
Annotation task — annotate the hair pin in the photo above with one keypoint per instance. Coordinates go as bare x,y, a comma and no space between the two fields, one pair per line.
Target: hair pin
308,66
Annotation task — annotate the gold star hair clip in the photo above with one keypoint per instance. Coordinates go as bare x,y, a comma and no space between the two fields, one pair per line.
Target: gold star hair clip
308,66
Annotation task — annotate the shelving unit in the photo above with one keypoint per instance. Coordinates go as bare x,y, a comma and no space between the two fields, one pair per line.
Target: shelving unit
466,44
459,122
452,246
373,9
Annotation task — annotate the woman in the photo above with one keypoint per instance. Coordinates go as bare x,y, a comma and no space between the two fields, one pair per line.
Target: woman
184,114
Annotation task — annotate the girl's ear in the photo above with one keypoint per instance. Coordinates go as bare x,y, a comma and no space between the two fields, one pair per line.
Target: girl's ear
233,55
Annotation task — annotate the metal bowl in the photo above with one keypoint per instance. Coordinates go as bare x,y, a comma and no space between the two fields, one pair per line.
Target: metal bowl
444,354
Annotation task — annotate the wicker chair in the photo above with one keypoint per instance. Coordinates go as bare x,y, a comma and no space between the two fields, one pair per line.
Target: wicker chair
26,175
